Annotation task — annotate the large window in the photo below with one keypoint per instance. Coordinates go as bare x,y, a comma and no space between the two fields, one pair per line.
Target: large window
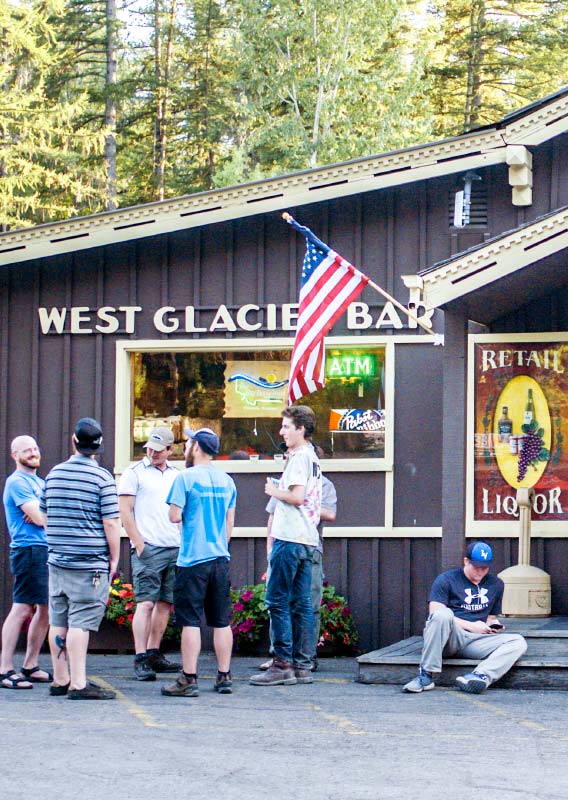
240,393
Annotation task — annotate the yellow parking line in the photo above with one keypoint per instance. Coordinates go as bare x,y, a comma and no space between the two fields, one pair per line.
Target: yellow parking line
494,709
133,708
338,721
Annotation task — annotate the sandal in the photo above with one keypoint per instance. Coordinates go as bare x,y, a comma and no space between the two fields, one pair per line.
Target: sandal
15,680
29,674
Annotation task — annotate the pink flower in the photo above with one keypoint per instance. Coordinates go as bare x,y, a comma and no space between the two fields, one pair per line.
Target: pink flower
246,596
238,606
346,611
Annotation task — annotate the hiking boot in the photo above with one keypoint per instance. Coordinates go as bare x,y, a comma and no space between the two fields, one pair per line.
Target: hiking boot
280,673
303,675
421,683
159,663
142,670
58,690
185,686
224,683
91,692
473,682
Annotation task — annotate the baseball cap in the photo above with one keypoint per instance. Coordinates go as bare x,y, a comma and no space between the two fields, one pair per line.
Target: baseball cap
88,436
480,554
160,438
206,438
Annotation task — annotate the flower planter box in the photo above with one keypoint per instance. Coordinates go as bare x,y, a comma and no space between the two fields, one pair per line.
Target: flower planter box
111,638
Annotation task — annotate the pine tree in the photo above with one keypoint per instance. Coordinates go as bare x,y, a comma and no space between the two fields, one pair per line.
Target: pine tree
42,172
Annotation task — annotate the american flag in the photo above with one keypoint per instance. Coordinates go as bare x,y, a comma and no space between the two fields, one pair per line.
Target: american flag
329,285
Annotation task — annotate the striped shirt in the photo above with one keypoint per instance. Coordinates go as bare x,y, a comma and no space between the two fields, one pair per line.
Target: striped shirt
79,494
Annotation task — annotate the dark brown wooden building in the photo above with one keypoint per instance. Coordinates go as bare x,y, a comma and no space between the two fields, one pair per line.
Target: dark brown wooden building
183,311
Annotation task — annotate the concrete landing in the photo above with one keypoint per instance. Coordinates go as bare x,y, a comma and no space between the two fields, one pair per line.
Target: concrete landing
544,666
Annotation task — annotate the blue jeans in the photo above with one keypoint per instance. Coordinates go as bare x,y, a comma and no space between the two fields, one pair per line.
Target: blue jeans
288,598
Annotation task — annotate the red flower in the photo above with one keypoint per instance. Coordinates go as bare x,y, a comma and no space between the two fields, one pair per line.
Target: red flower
120,620
246,596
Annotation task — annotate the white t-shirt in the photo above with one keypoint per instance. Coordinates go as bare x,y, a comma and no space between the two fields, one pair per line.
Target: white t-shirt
299,523
150,487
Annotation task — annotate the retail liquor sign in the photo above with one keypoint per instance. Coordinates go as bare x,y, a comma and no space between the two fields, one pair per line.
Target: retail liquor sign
518,427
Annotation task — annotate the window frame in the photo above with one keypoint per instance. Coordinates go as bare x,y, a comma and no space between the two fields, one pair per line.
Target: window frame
123,404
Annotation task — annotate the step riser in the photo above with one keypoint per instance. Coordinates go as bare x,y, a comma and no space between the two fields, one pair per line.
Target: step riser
545,678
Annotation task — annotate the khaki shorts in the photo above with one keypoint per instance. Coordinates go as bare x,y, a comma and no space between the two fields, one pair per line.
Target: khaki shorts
153,573
74,601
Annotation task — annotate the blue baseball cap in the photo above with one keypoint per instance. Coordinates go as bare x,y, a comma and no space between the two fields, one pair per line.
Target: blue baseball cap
480,554
206,438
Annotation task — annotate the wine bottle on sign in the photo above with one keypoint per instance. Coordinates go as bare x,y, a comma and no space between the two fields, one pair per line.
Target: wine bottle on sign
529,409
505,426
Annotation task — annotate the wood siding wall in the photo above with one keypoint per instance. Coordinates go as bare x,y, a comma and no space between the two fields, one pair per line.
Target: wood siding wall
48,381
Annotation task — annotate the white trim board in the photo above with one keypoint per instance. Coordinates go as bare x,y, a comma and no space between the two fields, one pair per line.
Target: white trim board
496,259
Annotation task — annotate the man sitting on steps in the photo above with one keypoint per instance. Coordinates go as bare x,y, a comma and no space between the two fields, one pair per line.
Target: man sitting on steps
464,604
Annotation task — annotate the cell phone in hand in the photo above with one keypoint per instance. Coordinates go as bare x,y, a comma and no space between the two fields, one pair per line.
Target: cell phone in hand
496,626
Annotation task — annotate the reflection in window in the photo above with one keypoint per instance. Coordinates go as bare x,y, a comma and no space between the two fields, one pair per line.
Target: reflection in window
240,394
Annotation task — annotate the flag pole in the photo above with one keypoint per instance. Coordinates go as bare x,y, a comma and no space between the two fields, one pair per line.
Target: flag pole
307,232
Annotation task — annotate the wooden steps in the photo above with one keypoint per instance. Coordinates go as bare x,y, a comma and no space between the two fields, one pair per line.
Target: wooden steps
544,665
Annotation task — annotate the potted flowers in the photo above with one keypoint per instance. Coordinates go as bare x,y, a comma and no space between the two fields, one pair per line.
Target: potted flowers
121,605
338,634
250,618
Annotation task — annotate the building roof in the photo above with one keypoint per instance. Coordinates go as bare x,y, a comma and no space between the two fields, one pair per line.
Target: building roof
487,146
504,272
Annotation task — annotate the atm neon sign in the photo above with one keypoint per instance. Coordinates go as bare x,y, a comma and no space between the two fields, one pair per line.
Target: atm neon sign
350,365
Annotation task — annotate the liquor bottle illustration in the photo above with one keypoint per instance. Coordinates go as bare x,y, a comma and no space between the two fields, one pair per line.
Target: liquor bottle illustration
529,414
505,425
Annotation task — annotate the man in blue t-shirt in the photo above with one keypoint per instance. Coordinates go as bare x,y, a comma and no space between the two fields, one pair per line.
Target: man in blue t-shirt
203,500
463,622
28,564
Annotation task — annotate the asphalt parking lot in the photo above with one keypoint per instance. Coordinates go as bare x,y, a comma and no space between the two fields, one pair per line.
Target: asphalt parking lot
330,740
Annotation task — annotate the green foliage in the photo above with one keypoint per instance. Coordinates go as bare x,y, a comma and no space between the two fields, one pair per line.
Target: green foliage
250,618
121,605
212,93
490,57
337,626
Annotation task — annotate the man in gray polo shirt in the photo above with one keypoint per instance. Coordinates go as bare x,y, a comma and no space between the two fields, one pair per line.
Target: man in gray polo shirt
80,506
143,491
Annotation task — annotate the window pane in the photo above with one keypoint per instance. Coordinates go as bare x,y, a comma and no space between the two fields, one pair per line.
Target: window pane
240,394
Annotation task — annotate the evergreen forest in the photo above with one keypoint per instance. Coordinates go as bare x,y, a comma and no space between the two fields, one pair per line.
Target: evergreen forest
113,103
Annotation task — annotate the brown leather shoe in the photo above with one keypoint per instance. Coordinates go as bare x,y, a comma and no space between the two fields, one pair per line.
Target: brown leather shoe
280,673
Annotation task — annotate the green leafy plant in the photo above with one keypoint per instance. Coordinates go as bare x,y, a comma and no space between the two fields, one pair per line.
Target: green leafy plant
337,627
250,617
121,605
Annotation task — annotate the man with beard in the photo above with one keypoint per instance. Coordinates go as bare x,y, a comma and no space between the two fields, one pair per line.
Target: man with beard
203,499
28,564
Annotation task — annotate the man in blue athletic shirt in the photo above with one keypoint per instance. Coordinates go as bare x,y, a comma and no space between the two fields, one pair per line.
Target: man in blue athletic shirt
28,564
463,622
203,499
